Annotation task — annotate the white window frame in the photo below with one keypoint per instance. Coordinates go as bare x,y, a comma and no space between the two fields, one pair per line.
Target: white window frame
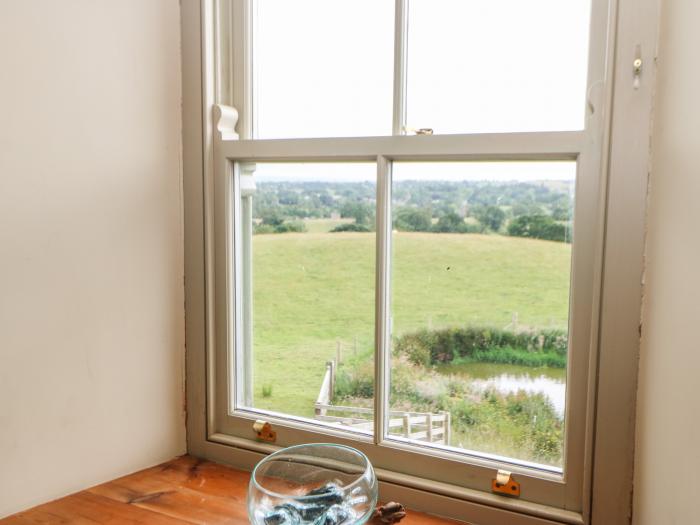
606,289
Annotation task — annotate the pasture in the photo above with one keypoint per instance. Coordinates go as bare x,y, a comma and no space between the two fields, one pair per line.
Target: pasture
312,290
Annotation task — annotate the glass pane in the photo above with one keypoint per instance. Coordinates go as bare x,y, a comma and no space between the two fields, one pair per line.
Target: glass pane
497,65
480,304
322,68
311,260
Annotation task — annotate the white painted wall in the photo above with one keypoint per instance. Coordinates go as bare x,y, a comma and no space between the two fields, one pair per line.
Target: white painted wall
91,249
668,420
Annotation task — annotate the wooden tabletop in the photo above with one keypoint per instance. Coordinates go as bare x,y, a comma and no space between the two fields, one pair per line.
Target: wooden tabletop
185,490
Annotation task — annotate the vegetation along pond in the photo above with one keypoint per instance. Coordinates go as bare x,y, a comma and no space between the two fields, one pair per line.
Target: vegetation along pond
509,379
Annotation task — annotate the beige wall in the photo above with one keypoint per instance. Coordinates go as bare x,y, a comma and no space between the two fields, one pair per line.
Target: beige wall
668,421
91,263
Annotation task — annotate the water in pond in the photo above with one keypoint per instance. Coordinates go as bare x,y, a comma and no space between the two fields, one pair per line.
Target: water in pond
512,378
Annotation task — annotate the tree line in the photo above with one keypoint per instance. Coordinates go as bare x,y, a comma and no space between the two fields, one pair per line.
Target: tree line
540,210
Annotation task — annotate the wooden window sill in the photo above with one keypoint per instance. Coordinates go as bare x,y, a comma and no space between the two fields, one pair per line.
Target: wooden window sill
184,490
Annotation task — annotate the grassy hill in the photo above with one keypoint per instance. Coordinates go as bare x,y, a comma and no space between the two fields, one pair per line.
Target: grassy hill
314,289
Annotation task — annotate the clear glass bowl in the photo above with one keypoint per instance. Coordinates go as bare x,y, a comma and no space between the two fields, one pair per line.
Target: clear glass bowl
315,484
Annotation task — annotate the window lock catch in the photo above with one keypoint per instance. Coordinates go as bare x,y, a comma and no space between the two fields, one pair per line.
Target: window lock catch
505,485
263,431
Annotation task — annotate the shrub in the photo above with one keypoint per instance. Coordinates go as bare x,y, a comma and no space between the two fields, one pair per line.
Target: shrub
355,380
529,348
513,356
465,413
272,218
263,228
291,226
413,220
350,227
280,227
539,227
416,347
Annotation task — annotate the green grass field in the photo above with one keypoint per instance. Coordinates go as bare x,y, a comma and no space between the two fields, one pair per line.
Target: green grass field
312,290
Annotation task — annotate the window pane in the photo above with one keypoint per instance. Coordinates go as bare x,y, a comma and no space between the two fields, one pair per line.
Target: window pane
322,68
312,273
497,65
480,304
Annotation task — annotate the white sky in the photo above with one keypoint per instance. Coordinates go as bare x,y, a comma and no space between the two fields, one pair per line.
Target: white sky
325,68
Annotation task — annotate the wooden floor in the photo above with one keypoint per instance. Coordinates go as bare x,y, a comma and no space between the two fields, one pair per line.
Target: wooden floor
184,490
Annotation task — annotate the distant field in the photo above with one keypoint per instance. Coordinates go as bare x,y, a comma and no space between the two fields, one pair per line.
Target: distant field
314,289
324,225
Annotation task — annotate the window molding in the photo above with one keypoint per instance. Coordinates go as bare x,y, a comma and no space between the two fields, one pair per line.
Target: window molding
609,462
627,163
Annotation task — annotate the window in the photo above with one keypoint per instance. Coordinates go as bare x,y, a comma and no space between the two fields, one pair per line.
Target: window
411,290
405,236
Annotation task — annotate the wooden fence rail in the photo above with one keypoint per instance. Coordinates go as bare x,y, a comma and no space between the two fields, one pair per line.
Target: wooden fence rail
419,426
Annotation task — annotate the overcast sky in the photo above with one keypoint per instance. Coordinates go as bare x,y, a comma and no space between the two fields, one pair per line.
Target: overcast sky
325,68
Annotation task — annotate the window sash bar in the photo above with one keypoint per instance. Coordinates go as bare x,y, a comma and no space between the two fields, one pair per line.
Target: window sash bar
382,303
563,145
234,284
400,40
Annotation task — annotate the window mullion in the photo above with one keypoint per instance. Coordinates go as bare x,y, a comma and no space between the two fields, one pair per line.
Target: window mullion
382,299
400,39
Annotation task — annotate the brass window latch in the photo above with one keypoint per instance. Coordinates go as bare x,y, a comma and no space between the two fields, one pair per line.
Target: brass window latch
637,66
418,131
263,431
505,485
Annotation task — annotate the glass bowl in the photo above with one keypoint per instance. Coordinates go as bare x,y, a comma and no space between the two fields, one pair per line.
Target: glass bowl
315,484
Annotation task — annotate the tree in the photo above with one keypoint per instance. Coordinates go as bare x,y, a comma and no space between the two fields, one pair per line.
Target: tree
362,213
525,208
450,223
539,227
327,200
560,213
490,217
288,197
413,220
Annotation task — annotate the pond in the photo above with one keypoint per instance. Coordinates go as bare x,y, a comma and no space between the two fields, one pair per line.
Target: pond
511,378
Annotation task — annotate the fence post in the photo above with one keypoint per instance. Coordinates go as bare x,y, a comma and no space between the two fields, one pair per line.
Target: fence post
429,420
407,425
446,435
325,396
331,388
